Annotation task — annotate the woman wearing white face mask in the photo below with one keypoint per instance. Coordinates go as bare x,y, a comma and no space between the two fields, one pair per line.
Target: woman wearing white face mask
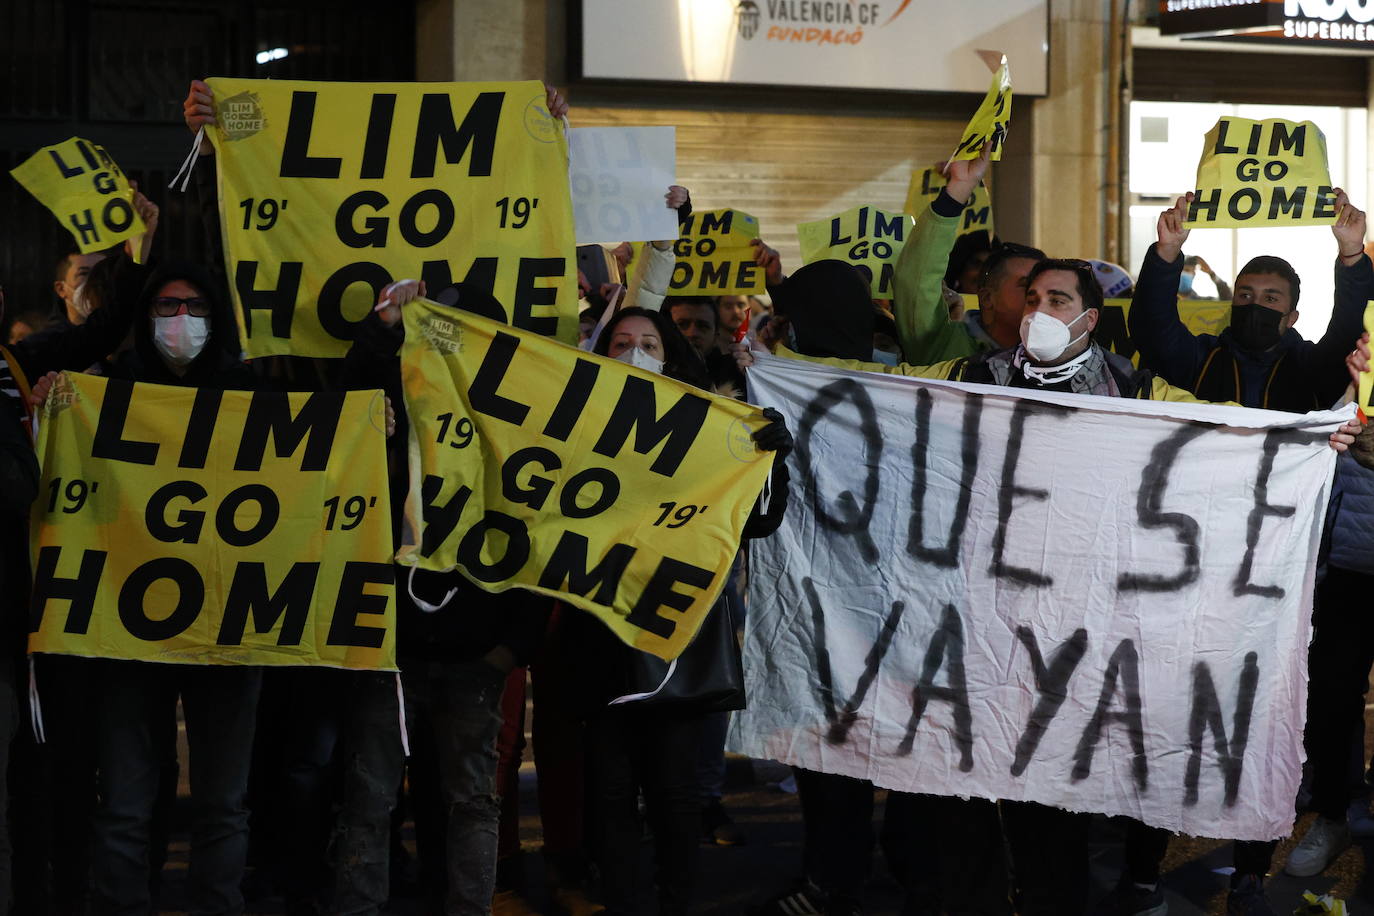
649,340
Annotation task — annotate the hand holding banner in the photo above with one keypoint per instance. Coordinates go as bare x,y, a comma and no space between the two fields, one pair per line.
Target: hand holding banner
448,182
989,123
869,238
714,257
618,490
83,187
213,527
1262,173
925,186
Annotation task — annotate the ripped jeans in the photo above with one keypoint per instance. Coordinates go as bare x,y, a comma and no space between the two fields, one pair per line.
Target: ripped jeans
455,718
373,765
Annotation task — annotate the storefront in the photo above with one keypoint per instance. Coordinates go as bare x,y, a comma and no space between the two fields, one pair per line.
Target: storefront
1251,63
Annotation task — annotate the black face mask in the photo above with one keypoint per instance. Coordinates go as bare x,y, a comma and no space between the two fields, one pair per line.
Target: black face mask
1255,327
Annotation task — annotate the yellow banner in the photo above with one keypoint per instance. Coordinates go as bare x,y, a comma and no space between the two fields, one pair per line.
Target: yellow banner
83,187
213,527
926,185
330,191
1262,173
989,123
714,257
535,465
1367,376
866,237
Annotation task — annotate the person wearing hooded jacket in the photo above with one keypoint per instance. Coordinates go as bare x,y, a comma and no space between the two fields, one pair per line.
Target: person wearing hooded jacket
184,334
1259,361
455,645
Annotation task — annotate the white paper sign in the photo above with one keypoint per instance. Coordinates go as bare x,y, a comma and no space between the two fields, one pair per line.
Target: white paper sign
619,176
1097,603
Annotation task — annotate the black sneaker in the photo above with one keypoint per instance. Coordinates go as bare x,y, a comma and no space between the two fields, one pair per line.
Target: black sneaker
718,828
1247,898
1131,899
806,899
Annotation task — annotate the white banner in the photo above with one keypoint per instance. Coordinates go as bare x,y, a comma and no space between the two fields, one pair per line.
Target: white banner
619,176
1096,603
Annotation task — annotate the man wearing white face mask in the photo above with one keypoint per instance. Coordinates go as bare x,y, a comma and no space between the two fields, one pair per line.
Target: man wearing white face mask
1048,846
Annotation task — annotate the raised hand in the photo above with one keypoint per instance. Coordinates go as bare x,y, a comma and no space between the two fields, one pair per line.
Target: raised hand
1348,229
1172,235
396,295
149,212
199,111
768,259
964,175
554,101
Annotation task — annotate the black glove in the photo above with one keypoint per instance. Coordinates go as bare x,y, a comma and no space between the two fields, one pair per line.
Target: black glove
774,437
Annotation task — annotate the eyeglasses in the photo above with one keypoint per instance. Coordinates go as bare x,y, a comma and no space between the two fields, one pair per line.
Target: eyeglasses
167,306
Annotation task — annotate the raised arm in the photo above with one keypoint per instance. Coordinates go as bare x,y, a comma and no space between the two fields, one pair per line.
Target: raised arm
1354,288
924,330
1166,345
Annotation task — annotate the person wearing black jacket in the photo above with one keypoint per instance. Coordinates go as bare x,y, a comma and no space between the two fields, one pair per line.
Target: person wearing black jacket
455,644
183,335
1259,361
633,747
18,489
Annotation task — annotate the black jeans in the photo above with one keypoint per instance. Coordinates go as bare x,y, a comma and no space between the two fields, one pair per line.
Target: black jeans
454,714
220,704
837,832
55,792
372,768
1339,659
656,751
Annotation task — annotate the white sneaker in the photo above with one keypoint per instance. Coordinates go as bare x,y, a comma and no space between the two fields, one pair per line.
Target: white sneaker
1319,847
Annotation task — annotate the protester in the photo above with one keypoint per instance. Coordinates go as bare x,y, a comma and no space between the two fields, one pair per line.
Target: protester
731,312
1259,361
645,748
1191,265
453,668
966,258
26,323
926,329
181,338
18,488
695,318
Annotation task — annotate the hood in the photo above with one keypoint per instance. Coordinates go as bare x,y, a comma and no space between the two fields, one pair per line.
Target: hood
831,310
224,333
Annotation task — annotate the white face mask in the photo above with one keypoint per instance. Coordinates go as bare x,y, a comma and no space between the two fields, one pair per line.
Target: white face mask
180,338
81,303
637,357
1046,337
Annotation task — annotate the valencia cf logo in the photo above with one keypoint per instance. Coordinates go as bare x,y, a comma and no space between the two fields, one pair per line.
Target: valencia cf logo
748,13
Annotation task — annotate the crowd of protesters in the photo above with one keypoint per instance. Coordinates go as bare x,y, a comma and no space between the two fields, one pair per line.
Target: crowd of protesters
299,781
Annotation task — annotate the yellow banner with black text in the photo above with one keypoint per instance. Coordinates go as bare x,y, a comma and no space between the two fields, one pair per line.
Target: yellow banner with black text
202,526
88,193
330,191
1262,173
539,466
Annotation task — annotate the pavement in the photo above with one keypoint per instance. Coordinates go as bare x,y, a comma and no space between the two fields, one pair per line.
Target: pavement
733,878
